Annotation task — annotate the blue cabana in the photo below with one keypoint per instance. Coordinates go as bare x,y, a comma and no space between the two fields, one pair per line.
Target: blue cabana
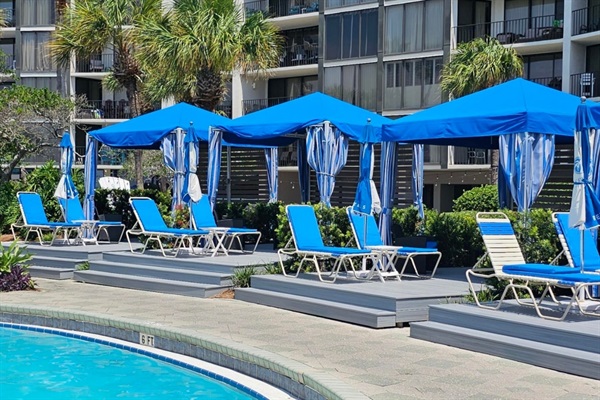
480,119
312,114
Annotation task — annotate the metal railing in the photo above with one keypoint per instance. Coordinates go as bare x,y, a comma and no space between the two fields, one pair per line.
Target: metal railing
345,3
249,106
281,8
9,17
554,82
98,63
470,156
108,109
300,54
586,84
9,63
586,20
224,109
513,31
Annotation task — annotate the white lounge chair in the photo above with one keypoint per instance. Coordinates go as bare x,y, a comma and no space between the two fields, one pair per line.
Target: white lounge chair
509,264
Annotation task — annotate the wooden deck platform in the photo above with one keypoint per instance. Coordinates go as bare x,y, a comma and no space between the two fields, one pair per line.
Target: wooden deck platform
373,303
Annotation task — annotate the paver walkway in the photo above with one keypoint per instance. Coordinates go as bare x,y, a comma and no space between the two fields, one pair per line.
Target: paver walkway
382,364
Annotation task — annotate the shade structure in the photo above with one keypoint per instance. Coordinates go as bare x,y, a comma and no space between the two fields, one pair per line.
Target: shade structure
148,130
298,114
66,188
477,120
191,191
526,162
585,205
327,152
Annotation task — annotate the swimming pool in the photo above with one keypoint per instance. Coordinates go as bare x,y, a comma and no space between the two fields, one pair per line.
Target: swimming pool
55,364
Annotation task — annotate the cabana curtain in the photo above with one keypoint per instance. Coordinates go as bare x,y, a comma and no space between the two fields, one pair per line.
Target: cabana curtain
387,188
272,159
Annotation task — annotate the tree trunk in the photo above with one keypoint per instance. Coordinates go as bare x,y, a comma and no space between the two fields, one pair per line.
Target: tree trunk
209,89
139,173
495,159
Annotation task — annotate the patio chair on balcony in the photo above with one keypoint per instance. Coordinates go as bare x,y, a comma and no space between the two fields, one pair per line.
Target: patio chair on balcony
586,82
508,264
96,66
307,243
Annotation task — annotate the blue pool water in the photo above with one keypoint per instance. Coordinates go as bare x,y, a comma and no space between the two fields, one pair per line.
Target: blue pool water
36,365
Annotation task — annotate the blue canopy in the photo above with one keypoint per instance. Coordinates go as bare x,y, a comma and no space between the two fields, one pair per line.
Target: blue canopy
295,115
147,131
478,119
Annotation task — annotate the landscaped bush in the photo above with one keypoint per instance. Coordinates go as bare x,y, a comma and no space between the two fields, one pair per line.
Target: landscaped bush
482,198
13,268
262,216
457,237
9,212
406,221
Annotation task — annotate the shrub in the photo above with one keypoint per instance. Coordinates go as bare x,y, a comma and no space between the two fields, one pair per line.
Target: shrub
9,212
262,216
457,238
406,222
482,198
13,268
242,276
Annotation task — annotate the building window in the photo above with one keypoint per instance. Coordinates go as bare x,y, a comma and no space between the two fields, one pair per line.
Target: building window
355,84
41,83
351,35
37,12
346,3
412,84
545,69
36,52
414,27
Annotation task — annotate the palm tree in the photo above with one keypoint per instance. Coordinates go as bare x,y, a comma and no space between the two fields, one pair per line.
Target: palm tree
89,27
480,64
190,51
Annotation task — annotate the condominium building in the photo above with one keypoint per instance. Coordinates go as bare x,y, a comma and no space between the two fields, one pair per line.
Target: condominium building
383,55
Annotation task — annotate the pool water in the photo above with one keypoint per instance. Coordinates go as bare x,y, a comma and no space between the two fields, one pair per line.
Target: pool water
36,365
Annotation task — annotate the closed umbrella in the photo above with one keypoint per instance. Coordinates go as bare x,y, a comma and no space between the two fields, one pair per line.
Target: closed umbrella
214,164
66,188
585,205
191,185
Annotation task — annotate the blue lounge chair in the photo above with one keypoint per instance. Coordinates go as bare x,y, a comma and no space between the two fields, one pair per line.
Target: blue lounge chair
570,239
73,212
34,219
509,264
366,235
308,244
203,218
150,223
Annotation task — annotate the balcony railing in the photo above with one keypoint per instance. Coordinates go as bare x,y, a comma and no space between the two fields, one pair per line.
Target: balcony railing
224,109
345,3
98,63
513,31
281,8
110,156
300,54
249,106
8,15
108,109
586,20
586,84
8,62
456,155
554,82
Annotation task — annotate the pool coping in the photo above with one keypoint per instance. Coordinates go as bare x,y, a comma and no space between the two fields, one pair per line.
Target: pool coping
300,380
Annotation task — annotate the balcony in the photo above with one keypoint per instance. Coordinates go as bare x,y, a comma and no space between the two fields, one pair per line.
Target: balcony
281,8
554,82
586,84
108,109
300,54
456,156
224,109
345,3
249,106
586,20
9,17
98,63
513,31
8,62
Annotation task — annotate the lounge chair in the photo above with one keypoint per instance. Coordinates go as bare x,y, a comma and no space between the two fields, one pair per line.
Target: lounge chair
73,212
367,237
150,223
308,244
34,219
509,264
570,239
222,238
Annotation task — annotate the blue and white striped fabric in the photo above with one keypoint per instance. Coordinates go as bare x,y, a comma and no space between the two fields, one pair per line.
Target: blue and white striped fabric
585,204
387,188
303,171
66,188
191,191
214,164
527,160
327,152
418,162
367,199
169,147
91,157
272,158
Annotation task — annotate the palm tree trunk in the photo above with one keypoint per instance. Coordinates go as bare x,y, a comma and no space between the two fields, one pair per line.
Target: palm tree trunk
209,89
495,160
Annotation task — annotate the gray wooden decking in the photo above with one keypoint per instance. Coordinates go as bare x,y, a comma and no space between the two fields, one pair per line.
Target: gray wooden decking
517,333
369,303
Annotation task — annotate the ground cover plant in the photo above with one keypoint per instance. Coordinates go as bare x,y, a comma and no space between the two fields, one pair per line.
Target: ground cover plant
14,273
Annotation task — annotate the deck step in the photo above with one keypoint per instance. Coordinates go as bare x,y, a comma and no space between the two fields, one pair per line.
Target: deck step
50,272
56,262
149,284
168,273
558,358
371,317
